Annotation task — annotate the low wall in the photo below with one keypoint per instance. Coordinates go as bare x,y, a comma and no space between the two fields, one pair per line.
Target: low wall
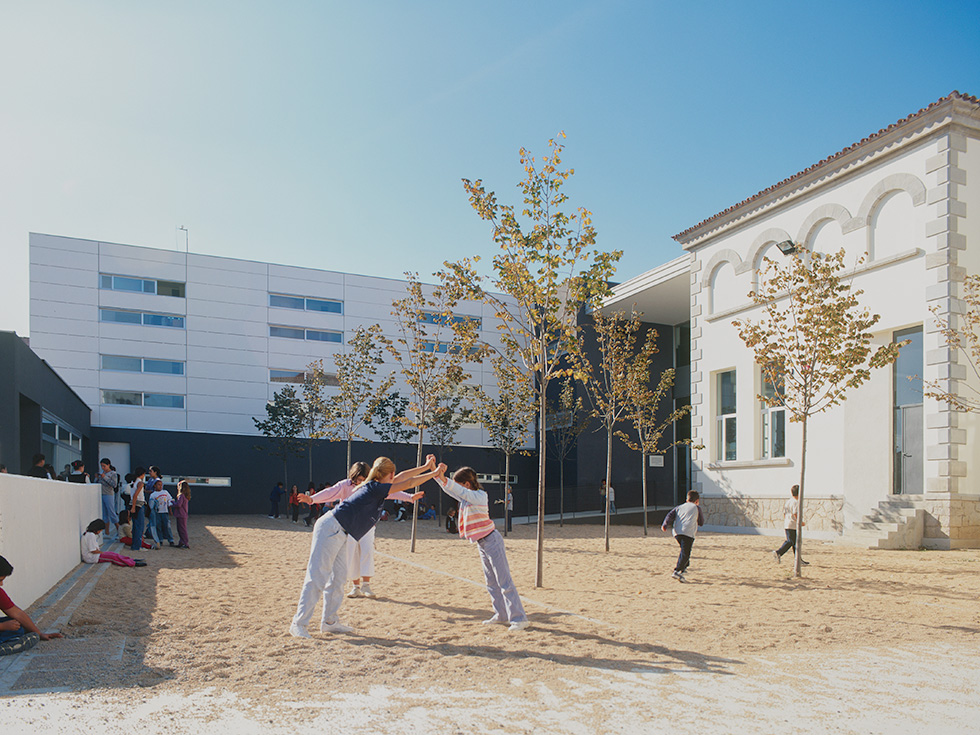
824,514
41,523
952,520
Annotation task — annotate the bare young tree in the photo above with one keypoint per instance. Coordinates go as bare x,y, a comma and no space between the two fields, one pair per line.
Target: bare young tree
282,425
508,417
961,333
649,421
610,382
433,346
359,389
567,422
812,342
545,271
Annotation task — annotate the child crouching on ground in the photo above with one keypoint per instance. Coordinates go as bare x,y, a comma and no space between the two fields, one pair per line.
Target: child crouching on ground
475,524
92,548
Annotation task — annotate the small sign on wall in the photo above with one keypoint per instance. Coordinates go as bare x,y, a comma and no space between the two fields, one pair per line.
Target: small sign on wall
656,460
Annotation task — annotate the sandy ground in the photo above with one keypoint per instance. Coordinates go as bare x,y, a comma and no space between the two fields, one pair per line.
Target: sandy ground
867,641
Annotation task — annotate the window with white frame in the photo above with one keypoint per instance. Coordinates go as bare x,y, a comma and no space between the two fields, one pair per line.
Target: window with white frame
121,363
141,285
773,419
726,431
304,303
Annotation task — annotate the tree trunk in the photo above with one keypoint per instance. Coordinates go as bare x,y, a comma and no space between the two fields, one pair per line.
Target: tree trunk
643,475
609,438
415,505
798,562
506,485
348,450
542,415
561,492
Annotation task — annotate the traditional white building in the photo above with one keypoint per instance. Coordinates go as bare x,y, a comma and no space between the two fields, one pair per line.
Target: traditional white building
888,466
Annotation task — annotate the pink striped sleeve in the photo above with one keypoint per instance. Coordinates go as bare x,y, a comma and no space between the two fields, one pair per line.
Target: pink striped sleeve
401,496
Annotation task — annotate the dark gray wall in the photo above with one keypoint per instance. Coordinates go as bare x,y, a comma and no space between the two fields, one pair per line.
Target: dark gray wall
28,384
590,457
254,470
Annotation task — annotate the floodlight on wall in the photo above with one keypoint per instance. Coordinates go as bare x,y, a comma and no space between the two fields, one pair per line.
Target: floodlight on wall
786,247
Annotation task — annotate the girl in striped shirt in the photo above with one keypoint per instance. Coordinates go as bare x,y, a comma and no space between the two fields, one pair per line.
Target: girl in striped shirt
475,524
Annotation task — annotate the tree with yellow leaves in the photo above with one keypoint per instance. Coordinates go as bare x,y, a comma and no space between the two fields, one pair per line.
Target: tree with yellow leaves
545,271
813,342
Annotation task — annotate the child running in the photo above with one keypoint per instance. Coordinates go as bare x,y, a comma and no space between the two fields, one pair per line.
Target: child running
475,524
685,520
92,548
353,517
360,553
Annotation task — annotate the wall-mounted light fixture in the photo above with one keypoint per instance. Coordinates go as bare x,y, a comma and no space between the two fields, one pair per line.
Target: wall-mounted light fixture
786,247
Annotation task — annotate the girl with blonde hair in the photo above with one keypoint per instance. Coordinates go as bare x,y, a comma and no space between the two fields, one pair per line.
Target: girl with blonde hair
360,552
326,570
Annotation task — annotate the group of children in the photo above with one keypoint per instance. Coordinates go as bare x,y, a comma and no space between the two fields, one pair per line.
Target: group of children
138,512
353,521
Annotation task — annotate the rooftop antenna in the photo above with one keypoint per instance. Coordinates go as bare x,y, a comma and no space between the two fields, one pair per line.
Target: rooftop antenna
187,239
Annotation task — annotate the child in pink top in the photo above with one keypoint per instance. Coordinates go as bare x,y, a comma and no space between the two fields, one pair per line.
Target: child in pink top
360,553
476,525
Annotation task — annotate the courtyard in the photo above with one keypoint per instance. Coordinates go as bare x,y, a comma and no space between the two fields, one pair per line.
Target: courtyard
867,641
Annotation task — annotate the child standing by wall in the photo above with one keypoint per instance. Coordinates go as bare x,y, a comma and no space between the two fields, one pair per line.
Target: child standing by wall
685,520
92,548
136,515
180,512
475,524
327,568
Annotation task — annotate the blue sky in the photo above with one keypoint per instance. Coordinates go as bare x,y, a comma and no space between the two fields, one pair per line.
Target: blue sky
334,135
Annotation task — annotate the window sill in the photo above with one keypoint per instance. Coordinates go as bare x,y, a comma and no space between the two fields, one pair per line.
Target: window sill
741,464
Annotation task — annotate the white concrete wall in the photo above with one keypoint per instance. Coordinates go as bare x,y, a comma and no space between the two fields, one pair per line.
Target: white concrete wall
225,345
41,525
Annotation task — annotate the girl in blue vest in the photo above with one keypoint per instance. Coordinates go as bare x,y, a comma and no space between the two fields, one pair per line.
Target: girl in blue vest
326,571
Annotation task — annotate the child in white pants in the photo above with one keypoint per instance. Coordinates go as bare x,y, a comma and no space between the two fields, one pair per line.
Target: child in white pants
360,553
326,571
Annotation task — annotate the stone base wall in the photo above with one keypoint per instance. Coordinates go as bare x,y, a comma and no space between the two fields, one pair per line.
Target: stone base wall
819,514
952,520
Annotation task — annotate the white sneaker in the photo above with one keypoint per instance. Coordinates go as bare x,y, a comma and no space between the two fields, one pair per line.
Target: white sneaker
335,627
297,631
366,590
355,591
679,576
495,620
519,625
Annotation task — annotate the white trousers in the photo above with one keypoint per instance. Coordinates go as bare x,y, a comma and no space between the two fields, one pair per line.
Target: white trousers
360,556
326,572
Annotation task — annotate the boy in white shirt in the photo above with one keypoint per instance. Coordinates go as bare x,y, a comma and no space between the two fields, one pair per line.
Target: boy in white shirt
685,520
161,501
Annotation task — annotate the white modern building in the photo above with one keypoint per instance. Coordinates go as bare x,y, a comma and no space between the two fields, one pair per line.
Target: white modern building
887,465
196,345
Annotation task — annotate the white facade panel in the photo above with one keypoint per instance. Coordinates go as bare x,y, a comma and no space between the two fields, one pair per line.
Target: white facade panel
225,344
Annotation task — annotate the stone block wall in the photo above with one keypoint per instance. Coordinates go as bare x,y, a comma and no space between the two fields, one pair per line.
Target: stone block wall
952,521
819,513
